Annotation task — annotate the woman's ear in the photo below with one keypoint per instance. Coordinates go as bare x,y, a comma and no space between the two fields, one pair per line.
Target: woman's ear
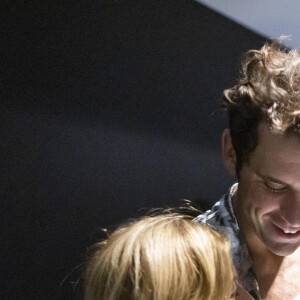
228,152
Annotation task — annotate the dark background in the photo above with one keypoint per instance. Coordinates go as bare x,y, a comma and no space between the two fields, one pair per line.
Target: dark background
108,109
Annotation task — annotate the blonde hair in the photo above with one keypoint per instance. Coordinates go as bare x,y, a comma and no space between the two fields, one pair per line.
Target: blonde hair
165,257
268,90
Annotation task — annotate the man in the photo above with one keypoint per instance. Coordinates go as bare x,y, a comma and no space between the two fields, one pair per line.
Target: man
261,214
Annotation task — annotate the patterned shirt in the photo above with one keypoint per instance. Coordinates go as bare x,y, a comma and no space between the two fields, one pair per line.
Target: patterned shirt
222,219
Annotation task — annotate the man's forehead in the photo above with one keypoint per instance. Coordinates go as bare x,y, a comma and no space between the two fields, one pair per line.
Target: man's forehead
274,147
266,134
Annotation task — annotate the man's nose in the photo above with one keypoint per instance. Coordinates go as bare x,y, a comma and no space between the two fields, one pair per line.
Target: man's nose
290,209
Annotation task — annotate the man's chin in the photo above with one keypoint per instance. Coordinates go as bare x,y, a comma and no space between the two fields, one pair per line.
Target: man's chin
279,246
282,250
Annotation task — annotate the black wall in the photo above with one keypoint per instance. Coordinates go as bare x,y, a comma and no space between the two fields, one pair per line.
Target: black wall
108,107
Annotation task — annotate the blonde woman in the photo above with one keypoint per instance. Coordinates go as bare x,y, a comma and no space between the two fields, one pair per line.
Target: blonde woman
165,257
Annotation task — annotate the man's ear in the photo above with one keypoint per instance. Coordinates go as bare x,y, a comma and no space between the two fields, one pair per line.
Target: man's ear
228,152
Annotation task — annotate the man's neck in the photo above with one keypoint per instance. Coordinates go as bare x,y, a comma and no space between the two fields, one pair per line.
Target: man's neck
273,271
263,259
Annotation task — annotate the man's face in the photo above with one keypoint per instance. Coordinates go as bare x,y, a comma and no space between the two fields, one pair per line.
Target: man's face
267,202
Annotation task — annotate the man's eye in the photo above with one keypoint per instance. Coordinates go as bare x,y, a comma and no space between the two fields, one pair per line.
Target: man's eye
275,188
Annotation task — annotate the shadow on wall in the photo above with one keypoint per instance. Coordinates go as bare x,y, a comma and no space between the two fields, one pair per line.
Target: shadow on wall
107,109
69,179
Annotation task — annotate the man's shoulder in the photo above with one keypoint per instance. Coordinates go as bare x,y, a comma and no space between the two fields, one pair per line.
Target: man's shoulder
212,215
220,217
221,212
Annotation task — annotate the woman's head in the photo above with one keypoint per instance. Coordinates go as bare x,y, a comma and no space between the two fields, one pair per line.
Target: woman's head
161,257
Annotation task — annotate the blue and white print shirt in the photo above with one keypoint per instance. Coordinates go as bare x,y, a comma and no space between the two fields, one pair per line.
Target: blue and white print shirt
222,219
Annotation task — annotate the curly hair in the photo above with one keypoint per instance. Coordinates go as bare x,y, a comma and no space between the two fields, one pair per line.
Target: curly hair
268,91
164,257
